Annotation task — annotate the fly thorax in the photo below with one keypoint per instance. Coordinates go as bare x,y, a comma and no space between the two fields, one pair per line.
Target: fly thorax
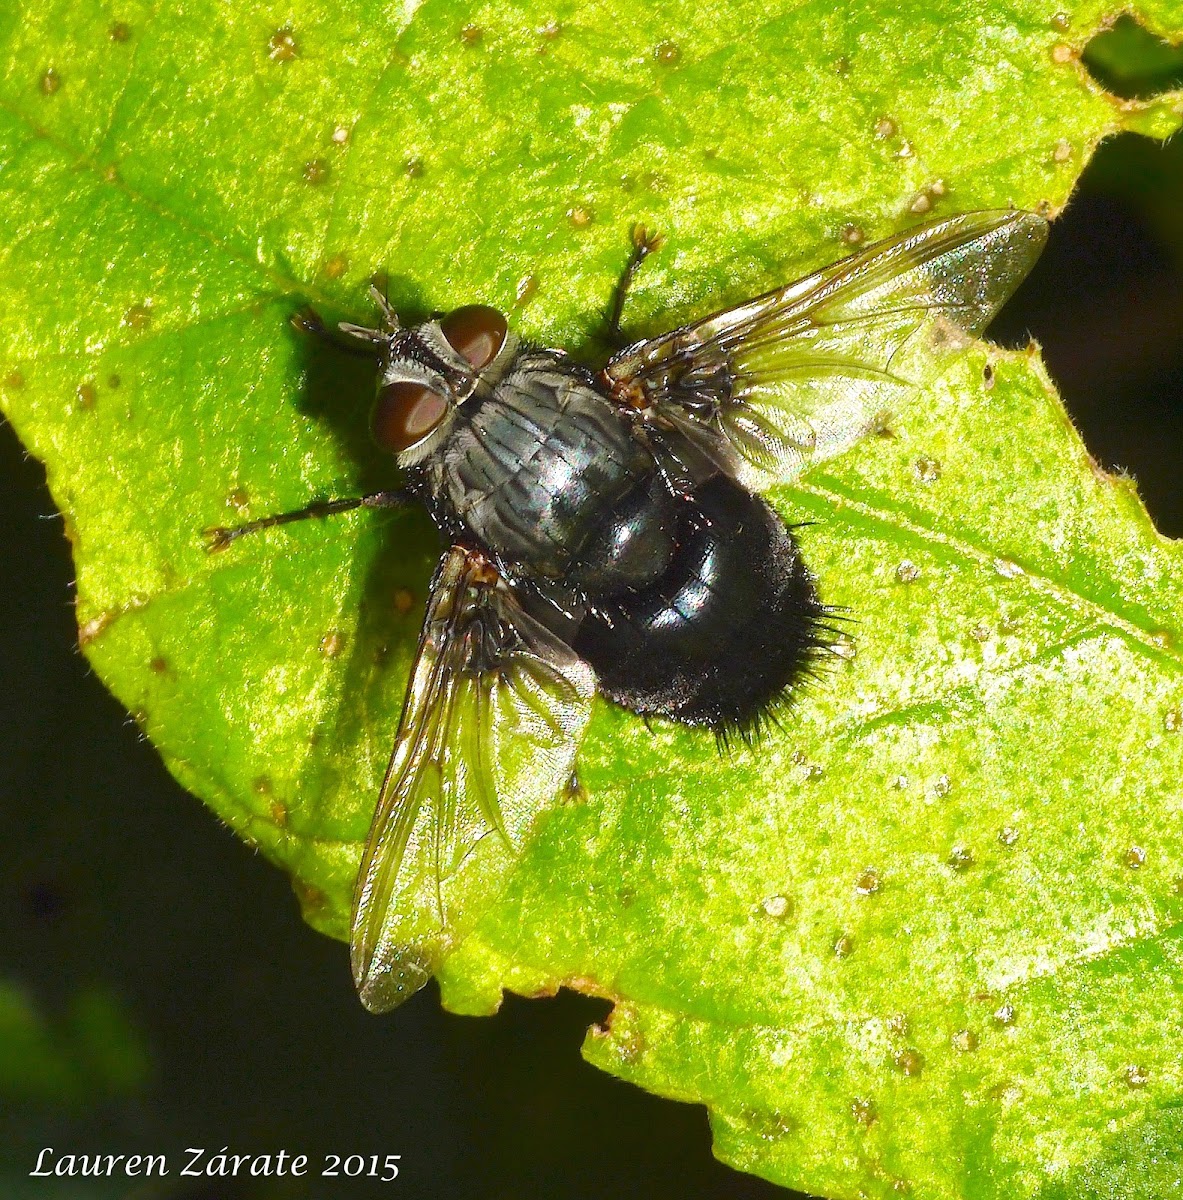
532,465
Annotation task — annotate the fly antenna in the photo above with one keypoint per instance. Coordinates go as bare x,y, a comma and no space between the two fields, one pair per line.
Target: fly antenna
380,294
362,333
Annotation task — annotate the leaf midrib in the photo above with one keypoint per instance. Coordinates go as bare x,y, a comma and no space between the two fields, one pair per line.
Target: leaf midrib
838,498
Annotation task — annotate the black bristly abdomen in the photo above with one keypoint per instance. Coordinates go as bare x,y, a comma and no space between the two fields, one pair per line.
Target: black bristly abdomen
729,629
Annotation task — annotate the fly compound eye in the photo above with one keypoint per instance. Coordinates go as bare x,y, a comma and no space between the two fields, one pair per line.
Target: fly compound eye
404,413
476,332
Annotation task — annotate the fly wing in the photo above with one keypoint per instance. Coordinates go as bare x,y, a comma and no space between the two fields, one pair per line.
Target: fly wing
801,373
495,711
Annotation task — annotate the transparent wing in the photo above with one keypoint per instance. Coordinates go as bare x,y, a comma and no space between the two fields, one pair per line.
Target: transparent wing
495,710
801,373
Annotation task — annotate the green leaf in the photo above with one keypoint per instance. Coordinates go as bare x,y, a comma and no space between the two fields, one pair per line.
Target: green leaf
92,1050
1003,1011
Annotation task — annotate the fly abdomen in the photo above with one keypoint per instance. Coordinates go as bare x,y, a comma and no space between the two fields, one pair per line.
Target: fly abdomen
633,545
727,631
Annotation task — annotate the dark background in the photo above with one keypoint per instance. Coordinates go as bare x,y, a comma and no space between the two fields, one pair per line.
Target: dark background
157,986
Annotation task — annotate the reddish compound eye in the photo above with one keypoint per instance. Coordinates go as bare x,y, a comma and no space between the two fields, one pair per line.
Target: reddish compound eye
405,413
476,332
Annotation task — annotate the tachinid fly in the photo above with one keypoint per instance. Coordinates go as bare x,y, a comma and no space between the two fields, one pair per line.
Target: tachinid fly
604,531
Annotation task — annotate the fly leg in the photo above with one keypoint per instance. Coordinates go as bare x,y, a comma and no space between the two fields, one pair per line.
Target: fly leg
644,243
356,340
352,339
220,536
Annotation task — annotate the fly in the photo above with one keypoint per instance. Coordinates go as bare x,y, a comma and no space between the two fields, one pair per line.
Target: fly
605,532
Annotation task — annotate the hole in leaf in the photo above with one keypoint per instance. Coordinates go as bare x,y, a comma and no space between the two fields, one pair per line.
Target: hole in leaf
1105,303
1133,63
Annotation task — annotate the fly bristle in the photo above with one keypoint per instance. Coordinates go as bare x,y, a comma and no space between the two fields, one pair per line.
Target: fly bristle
816,662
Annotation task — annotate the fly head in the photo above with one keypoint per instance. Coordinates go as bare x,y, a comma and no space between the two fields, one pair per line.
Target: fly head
429,370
